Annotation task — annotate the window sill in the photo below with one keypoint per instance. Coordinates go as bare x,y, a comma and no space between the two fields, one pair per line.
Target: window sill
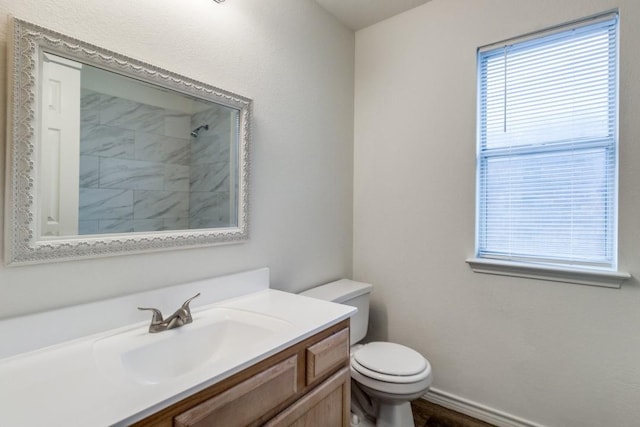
582,276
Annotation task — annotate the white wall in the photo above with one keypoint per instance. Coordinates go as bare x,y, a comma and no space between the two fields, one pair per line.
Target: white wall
296,62
556,354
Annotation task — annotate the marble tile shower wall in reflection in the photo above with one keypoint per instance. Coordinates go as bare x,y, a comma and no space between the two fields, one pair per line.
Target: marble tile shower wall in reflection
134,166
210,197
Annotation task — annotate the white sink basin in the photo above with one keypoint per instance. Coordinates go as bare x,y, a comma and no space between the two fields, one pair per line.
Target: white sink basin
216,335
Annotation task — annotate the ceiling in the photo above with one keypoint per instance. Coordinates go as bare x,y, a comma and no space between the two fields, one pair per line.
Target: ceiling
357,14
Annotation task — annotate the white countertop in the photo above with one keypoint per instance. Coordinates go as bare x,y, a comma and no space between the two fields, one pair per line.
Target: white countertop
64,385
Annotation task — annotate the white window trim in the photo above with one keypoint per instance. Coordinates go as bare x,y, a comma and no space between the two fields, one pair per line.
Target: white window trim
553,273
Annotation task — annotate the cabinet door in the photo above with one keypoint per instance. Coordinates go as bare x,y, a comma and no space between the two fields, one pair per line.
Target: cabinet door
245,403
326,405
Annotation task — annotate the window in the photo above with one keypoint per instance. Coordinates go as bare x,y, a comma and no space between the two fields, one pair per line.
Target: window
547,147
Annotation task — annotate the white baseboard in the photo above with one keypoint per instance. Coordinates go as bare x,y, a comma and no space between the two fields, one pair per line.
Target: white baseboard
476,410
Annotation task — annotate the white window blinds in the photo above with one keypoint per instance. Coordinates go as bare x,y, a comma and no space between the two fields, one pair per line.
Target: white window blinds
547,141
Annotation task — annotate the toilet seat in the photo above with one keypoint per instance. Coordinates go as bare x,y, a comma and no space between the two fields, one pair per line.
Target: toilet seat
391,387
387,378
390,362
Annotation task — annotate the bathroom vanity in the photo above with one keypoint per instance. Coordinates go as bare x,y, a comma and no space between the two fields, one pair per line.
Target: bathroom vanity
301,385
252,356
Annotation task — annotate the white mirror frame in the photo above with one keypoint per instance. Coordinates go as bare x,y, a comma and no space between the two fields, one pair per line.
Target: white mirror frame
26,42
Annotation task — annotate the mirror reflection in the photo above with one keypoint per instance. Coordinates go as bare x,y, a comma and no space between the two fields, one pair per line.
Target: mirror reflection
119,155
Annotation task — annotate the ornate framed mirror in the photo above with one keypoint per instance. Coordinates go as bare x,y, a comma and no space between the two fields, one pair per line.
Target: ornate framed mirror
109,155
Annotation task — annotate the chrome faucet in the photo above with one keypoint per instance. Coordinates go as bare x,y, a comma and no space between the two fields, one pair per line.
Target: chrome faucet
181,317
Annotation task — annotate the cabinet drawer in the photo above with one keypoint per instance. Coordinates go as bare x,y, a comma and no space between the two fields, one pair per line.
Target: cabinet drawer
326,355
246,402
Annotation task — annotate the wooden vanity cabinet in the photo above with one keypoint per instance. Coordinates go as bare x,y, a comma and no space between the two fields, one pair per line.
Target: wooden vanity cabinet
305,385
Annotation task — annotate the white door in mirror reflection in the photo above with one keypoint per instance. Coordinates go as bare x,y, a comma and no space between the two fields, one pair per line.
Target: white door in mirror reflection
60,155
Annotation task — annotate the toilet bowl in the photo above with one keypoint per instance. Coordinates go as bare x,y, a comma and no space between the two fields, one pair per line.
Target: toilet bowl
392,375
388,375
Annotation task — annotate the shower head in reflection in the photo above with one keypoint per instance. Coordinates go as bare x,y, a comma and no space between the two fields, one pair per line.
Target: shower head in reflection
196,131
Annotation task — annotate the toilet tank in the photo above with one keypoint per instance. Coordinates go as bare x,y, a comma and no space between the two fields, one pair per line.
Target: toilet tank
348,292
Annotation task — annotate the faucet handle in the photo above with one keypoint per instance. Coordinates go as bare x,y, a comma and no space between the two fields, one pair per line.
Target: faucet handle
157,314
185,305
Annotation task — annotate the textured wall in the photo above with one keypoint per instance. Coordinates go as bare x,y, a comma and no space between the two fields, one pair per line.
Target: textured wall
296,62
558,354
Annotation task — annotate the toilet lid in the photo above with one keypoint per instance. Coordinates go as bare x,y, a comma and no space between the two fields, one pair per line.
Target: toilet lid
395,379
390,359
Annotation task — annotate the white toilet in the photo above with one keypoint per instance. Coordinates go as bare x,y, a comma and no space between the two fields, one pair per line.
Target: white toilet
385,376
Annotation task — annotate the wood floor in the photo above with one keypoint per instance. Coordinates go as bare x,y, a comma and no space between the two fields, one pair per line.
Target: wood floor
427,414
